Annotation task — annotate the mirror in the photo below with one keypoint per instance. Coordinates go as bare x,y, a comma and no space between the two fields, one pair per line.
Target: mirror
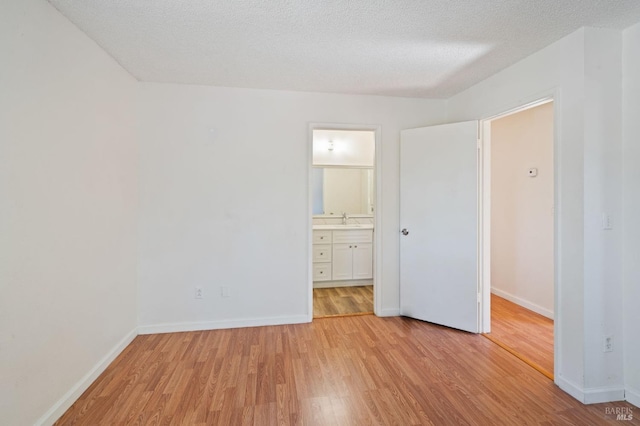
338,190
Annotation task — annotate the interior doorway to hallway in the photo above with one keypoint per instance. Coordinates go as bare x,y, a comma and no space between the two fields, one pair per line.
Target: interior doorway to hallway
519,192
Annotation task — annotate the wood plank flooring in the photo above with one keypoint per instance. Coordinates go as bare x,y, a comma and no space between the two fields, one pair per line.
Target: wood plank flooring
528,334
338,301
357,370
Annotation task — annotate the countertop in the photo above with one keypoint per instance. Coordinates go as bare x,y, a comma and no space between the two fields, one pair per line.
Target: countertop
343,227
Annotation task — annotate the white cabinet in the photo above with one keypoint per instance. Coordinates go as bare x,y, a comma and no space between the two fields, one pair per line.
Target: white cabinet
342,255
322,237
322,255
342,262
352,261
322,271
363,261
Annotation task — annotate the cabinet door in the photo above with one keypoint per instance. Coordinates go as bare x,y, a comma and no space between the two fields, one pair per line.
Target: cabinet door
342,262
362,261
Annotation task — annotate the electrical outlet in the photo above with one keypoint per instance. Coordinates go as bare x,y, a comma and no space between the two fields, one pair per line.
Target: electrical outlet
224,291
198,292
608,344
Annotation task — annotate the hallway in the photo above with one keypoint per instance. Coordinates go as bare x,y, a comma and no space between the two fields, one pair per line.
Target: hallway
526,334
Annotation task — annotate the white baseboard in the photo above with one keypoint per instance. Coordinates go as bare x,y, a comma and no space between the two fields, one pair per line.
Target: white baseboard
388,313
343,283
592,395
220,324
63,404
522,302
632,396
598,395
570,388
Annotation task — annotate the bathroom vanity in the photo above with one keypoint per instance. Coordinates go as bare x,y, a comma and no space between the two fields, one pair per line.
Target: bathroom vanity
342,255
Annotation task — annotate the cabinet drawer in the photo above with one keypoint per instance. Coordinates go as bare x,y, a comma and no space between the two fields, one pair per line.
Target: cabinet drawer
322,253
321,237
356,236
322,271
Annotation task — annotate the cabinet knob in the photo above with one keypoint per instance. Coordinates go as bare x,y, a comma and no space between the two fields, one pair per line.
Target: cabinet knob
355,246
350,246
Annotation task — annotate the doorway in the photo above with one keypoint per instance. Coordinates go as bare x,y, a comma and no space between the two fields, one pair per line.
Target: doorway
519,226
445,226
344,206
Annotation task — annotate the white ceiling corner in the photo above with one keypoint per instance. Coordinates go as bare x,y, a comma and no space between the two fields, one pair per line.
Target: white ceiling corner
417,48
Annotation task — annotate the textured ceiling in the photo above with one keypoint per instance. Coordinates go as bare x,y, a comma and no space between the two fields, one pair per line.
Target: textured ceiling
414,48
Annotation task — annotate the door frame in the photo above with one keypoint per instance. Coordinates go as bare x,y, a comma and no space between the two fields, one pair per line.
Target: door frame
377,214
484,214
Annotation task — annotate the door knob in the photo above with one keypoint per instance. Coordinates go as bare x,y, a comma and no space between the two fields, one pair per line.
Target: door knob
404,231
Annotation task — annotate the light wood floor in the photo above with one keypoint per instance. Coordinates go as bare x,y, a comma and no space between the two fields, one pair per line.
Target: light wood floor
357,370
337,301
528,334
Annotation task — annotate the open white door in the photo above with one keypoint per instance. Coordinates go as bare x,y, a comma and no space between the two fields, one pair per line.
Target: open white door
439,222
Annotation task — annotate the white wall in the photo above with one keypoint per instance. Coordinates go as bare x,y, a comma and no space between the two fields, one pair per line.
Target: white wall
522,208
631,209
348,148
225,194
603,194
580,71
67,210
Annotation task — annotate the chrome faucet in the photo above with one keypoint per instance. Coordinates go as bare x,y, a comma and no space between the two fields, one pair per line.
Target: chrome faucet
344,218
